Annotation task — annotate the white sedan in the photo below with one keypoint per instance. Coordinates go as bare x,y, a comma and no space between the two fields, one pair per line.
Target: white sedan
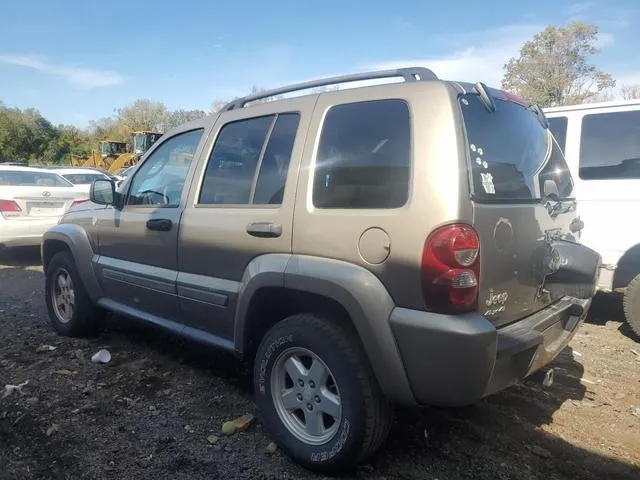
31,201
82,178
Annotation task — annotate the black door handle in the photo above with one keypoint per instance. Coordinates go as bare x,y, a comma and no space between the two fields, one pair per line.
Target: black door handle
264,229
160,224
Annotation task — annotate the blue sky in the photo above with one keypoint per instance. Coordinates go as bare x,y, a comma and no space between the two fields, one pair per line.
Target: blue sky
79,60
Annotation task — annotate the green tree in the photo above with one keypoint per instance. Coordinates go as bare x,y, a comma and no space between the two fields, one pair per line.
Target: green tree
218,104
178,117
554,68
143,114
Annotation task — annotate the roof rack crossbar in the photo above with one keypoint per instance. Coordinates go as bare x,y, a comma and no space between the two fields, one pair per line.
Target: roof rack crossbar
410,74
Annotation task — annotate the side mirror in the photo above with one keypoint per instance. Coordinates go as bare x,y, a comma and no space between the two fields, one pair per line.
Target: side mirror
103,192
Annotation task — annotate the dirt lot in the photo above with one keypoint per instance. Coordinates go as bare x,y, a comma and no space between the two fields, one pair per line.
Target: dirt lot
149,412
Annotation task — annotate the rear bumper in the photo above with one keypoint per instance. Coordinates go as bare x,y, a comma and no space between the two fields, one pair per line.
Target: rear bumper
457,360
22,233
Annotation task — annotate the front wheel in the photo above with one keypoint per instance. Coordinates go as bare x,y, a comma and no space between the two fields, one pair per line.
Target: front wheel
317,396
70,309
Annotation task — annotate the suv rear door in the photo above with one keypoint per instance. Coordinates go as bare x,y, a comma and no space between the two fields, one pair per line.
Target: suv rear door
511,158
240,207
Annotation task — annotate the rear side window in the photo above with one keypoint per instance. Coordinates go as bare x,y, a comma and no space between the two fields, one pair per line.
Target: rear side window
511,153
610,146
262,146
364,156
558,126
19,178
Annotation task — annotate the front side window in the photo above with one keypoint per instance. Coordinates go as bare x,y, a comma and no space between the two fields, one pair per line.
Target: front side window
610,146
511,154
364,156
243,148
159,181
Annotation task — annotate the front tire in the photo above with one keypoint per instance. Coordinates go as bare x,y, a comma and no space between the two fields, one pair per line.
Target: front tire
317,395
70,309
631,303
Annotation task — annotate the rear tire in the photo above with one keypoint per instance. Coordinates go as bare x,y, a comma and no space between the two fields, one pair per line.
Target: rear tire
70,309
631,303
355,418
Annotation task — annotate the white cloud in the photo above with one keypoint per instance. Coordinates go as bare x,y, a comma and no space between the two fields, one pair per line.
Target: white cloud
480,56
78,76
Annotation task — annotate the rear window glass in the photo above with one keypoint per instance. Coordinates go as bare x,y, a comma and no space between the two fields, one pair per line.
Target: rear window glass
610,146
558,126
18,178
83,178
364,156
511,154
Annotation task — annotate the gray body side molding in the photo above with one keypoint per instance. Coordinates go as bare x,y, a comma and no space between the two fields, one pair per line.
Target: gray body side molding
75,237
359,291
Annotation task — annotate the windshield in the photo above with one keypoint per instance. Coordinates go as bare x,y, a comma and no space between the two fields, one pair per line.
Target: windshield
19,178
143,141
112,148
511,153
139,143
83,178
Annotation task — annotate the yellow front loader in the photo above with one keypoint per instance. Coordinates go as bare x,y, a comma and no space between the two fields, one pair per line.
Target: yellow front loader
108,151
112,156
140,142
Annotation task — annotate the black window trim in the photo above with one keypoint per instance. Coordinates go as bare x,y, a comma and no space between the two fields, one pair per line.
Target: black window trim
254,182
125,195
314,161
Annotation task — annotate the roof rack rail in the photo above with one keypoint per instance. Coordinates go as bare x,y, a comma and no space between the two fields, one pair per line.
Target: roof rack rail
409,74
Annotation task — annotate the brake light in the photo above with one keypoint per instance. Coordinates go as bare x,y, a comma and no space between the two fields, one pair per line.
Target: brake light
450,269
78,202
513,98
9,206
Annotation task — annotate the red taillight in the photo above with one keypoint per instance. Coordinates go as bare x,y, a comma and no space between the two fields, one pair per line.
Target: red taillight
78,202
450,269
9,206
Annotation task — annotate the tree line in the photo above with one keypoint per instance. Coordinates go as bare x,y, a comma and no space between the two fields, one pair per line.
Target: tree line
553,68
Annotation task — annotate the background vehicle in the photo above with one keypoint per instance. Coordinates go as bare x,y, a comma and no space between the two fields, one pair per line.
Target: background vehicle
81,177
602,147
407,243
31,201
122,174
113,156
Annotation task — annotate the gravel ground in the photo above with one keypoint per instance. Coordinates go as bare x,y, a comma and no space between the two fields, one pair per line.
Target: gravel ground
150,413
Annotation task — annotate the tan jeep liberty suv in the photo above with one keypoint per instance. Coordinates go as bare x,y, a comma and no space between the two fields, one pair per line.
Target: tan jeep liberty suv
404,243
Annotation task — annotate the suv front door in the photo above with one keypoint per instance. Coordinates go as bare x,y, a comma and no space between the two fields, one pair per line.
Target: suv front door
240,209
137,265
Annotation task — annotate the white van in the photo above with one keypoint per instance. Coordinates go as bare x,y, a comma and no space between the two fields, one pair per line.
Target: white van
601,142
